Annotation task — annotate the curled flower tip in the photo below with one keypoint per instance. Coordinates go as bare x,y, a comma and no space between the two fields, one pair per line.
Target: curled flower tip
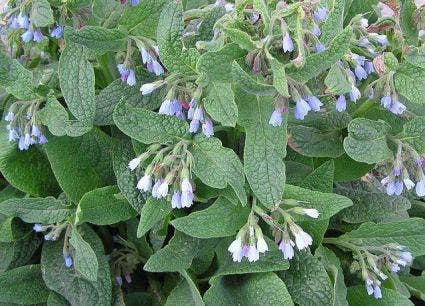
314,103
207,128
68,261
147,88
311,212
341,103
37,228
276,119
301,109
262,245
287,248
145,183
134,163
302,239
118,280
287,44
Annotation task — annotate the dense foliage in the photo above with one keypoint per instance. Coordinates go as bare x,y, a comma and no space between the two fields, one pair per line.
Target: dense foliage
198,152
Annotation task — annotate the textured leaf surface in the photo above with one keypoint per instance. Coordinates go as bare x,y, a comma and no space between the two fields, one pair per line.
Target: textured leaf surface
85,260
250,289
23,286
36,210
250,85
414,134
76,77
104,206
203,224
265,148
307,281
409,232
174,56
69,282
147,126
41,13
357,296
220,103
334,22
336,81
153,211
217,166
410,82
367,141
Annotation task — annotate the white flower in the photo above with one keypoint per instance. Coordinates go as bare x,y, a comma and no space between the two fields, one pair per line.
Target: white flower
420,187
187,199
262,245
134,163
311,212
252,253
147,88
302,239
236,249
186,186
176,200
377,294
408,183
369,286
364,23
287,248
145,183
162,190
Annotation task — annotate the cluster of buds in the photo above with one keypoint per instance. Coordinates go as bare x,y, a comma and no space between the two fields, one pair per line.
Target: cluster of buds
250,242
168,173
124,260
23,126
183,105
52,232
406,161
372,261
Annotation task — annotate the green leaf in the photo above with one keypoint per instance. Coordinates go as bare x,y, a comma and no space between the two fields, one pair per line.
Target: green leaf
56,299
279,77
18,252
142,20
117,91
307,281
265,148
178,254
336,81
36,210
153,211
247,83
416,285
317,63
414,134
251,289
241,38
76,77
407,22
347,169
328,204
367,141
147,126
185,293
85,260
98,39
410,82
357,296
23,286
16,79
104,206
334,23
28,171
217,166
312,142
56,118
216,66
41,13
270,261
220,103
203,224
416,56
67,167
69,282
122,153
356,7
371,206
332,265
406,232
174,56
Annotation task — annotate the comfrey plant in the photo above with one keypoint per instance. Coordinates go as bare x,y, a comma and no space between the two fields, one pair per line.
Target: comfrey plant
241,152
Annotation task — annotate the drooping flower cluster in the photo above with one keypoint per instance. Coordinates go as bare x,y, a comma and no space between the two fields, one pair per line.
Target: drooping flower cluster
250,242
52,233
406,164
23,125
124,260
168,174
